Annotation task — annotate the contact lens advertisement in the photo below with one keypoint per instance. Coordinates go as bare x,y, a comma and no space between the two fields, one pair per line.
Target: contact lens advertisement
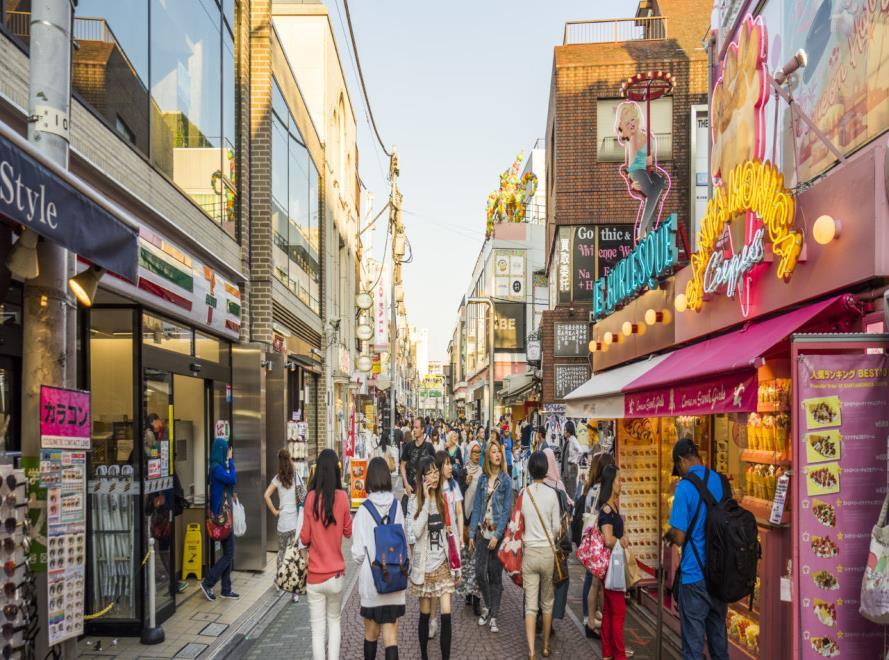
842,446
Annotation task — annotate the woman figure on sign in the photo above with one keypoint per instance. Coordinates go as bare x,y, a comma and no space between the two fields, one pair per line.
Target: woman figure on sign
291,495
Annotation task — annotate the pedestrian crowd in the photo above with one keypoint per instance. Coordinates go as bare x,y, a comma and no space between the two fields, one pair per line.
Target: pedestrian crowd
478,502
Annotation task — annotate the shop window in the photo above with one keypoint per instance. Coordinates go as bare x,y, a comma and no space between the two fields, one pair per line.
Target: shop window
609,150
167,335
211,349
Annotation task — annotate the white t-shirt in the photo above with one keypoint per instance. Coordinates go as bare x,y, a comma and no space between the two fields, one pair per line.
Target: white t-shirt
572,446
287,505
548,504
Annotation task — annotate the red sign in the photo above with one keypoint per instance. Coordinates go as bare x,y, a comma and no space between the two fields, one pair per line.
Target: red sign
64,418
732,393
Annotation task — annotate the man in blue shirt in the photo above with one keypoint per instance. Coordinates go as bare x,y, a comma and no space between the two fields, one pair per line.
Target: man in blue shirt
699,612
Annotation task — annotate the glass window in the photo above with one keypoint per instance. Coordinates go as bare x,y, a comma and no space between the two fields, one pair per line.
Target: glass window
229,137
210,348
162,333
610,150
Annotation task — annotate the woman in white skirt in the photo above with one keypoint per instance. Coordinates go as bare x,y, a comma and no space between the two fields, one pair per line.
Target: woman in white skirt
291,496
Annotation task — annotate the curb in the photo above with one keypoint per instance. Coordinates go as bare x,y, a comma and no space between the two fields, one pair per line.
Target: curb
266,609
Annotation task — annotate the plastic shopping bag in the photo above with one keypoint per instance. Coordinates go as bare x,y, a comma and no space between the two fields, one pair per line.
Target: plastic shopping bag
616,578
875,583
239,518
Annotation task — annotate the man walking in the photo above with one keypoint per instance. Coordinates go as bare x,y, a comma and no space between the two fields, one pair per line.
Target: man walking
415,448
700,613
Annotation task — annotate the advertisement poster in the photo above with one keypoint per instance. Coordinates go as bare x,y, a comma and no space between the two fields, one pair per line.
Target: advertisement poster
64,418
843,425
358,472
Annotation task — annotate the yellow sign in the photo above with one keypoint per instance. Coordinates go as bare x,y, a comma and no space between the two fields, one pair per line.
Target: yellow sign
192,552
751,187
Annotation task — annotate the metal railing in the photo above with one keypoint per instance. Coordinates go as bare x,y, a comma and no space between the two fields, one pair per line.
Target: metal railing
614,30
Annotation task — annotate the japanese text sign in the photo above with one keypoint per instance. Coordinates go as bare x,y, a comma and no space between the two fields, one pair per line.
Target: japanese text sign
64,418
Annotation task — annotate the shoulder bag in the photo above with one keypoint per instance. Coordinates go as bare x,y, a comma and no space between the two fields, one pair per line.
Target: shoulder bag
511,550
560,560
219,525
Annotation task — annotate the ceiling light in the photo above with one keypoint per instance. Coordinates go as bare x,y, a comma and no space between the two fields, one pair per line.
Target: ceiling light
84,285
826,229
22,260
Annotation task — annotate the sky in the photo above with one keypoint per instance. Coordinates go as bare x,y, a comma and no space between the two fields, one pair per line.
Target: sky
460,88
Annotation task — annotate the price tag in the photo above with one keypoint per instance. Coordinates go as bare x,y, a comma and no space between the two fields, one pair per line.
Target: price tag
780,499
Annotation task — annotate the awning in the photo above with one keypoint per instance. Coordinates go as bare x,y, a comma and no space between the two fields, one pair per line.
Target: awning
515,385
719,375
602,395
52,202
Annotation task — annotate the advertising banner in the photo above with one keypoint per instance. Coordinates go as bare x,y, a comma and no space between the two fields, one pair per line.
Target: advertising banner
729,394
381,311
509,326
358,473
64,418
841,450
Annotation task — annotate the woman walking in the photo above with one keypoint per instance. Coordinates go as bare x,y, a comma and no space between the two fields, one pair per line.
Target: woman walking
540,510
379,611
326,522
455,454
614,611
468,587
430,572
552,480
490,513
291,496
592,591
222,482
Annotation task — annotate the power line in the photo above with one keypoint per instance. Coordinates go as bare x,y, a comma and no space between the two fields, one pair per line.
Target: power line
361,80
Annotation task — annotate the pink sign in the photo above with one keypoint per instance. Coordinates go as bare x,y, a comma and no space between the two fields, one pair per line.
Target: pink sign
840,457
64,418
734,393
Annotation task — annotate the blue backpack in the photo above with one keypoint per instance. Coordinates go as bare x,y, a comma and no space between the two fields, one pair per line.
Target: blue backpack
392,565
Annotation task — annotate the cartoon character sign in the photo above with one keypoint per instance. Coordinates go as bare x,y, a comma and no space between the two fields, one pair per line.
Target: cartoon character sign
646,181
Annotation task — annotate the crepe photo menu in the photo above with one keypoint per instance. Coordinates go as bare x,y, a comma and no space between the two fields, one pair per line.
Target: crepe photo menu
842,448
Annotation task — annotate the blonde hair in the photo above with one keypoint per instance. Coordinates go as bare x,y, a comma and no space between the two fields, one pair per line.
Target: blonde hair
489,466
452,435
619,113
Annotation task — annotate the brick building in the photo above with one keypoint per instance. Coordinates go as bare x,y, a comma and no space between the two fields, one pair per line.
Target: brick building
587,199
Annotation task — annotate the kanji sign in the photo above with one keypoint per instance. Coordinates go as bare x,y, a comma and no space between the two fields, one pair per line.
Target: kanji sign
64,418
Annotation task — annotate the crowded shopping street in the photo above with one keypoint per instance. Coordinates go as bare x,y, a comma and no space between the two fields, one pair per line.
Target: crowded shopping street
351,329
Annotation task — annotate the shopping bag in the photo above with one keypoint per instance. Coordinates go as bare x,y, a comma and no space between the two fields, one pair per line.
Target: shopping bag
291,575
511,549
454,560
239,518
633,574
593,553
874,604
616,578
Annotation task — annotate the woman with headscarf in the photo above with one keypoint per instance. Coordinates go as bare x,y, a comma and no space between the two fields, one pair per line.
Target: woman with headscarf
222,482
468,587
563,537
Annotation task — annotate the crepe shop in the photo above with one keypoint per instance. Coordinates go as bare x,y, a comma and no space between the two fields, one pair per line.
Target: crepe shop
769,349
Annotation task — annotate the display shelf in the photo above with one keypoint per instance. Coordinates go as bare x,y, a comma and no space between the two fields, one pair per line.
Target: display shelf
765,456
762,509
741,608
772,408
740,650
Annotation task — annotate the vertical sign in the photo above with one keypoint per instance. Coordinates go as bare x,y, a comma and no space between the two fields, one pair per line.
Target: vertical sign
700,167
583,269
381,311
563,253
841,451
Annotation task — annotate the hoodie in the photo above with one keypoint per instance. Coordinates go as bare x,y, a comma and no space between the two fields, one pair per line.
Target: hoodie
363,545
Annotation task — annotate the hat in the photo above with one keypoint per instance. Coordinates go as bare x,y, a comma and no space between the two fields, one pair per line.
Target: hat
683,448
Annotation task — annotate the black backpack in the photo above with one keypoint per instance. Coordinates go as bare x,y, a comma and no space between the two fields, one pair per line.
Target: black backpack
733,548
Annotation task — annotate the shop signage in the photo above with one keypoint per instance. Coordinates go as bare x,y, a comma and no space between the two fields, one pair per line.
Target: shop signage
730,394
509,326
564,253
381,310
36,198
509,274
64,418
586,253
568,377
533,350
651,260
571,339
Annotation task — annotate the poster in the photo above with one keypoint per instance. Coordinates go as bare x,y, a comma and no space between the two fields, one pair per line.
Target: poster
358,473
843,425
64,418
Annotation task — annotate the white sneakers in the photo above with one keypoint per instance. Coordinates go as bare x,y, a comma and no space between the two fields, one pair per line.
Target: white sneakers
433,628
494,627
483,619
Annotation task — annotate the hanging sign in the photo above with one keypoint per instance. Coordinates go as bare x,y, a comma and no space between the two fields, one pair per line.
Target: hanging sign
64,418
651,260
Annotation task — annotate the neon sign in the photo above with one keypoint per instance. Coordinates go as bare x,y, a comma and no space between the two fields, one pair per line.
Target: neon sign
651,259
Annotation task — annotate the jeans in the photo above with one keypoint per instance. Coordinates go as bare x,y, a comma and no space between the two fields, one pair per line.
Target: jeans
325,600
223,566
614,613
701,613
488,574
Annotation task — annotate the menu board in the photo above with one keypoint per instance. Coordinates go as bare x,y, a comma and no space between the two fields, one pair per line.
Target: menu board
843,425
615,242
568,377
571,339
584,262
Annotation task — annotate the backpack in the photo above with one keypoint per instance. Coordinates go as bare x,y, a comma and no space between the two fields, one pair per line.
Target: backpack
733,548
391,565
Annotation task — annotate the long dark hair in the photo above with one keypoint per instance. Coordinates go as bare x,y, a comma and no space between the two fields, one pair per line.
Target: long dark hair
427,464
597,464
442,457
606,483
325,482
285,468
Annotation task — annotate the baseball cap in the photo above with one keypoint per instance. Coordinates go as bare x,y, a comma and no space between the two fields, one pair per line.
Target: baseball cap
683,448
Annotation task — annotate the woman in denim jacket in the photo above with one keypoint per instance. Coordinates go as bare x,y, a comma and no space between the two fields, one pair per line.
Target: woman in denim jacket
490,513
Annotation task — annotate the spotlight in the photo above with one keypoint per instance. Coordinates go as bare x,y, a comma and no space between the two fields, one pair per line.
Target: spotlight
632,329
593,346
22,260
796,62
826,229
680,303
653,317
84,285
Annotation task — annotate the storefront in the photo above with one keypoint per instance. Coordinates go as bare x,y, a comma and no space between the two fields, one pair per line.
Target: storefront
158,358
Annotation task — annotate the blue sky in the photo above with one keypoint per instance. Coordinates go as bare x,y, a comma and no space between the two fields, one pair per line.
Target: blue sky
460,87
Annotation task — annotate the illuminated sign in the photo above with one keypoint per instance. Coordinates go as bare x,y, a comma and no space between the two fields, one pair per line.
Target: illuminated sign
652,259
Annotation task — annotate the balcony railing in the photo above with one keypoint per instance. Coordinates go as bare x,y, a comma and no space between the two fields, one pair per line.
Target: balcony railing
615,30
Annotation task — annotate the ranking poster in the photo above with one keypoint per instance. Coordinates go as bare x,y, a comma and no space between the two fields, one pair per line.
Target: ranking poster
842,448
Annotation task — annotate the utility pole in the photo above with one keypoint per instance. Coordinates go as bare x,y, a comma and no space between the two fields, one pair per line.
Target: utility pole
394,217
44,355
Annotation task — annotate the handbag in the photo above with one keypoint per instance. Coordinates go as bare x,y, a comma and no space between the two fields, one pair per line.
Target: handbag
874,603
616,578
593,553
454,560
294,568
219,525
633,574
560,560
512,548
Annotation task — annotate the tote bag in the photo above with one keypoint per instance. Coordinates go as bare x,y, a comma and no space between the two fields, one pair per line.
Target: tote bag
874,603
593,553
511,549
616,578
291,575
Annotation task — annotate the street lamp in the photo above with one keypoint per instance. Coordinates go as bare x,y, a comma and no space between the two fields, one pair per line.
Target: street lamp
490,303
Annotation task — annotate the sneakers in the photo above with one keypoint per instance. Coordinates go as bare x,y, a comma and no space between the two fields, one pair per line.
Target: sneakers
295,598
208,592
181,586
483,619
433,628
494,627
231,595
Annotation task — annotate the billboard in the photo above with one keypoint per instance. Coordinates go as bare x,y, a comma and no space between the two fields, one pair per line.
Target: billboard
509,326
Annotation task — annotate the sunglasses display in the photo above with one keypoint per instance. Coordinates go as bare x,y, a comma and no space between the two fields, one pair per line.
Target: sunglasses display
19,599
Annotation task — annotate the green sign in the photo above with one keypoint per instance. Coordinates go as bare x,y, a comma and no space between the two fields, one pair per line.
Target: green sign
653,258
36,513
